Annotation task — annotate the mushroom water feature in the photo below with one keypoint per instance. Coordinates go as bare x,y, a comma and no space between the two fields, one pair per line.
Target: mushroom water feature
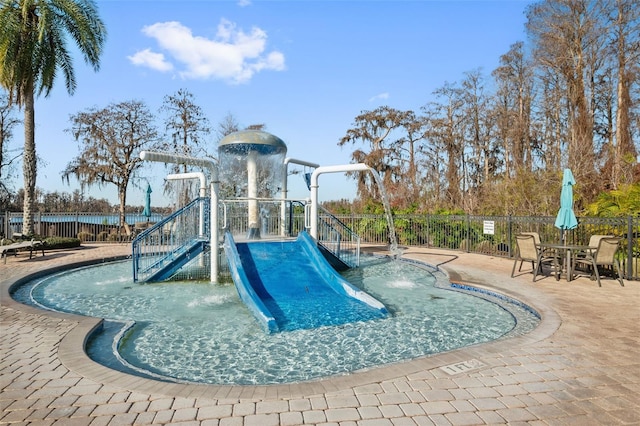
260,155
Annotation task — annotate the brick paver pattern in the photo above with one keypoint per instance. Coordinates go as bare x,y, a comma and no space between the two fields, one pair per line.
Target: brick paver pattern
583,369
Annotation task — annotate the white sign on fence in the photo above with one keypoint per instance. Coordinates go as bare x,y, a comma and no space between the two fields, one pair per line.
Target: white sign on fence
488,227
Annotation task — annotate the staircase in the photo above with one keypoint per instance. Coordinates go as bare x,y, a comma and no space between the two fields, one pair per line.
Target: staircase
162,250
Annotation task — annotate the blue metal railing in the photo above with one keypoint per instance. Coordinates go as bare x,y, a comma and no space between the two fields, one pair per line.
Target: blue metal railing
171,242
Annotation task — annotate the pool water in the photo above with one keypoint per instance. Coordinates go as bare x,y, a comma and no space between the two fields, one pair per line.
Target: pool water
201,332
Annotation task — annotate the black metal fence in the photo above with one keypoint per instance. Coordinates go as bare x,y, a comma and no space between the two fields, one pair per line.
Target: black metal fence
495,235
88,227
490,235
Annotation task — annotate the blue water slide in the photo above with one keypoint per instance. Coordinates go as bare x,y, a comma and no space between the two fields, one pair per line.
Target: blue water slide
289,285
245,290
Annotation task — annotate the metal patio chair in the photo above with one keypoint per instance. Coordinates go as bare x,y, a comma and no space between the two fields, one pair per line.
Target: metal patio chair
546,252
528,250
536,236
594,240
603,255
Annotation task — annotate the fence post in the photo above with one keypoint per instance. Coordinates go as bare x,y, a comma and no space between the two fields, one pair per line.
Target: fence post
76,225
509,234
468,232
629,247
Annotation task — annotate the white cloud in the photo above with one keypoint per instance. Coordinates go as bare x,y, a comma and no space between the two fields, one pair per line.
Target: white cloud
233,55
150,59
384,95
243,3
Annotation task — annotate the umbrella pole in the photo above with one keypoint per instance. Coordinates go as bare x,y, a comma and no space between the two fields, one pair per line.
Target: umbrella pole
565,256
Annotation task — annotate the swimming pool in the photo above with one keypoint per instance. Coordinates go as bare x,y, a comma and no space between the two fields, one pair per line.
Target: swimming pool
201,332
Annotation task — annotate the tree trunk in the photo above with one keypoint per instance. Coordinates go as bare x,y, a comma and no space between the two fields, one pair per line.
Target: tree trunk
624,149
122,196
29,166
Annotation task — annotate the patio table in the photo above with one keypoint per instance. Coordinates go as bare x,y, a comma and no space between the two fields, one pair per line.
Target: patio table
571,250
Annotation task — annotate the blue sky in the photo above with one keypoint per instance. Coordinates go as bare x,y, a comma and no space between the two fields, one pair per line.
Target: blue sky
304,68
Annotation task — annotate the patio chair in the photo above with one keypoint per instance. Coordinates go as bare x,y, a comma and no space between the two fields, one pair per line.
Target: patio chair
594,240
603,255
527,250
536,236
546,252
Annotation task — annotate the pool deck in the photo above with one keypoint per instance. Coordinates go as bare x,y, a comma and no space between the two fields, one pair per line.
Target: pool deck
580,366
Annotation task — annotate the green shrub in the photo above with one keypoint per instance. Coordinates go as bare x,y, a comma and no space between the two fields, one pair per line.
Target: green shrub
85,236
485,247
61,243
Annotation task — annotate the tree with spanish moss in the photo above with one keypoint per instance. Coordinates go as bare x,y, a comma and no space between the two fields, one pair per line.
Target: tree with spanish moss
186,129
111,140
8,156
379,131
186,125
568,43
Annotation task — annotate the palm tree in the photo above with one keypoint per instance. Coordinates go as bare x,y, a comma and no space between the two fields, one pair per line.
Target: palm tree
33,49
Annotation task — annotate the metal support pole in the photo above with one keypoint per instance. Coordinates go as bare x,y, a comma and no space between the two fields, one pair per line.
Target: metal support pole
314,188
202,193
285,179
213,226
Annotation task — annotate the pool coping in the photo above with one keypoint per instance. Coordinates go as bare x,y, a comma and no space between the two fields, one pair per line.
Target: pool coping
72,355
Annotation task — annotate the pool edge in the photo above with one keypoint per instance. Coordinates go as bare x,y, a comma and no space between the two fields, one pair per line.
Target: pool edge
71,351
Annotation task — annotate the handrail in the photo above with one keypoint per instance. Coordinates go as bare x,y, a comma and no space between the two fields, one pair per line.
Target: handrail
338,238
158,245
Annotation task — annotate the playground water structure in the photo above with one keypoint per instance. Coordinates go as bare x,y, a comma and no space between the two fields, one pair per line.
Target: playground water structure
251,169
186,331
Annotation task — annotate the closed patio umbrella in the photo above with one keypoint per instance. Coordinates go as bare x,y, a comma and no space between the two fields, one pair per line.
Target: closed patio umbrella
566,218
147,205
